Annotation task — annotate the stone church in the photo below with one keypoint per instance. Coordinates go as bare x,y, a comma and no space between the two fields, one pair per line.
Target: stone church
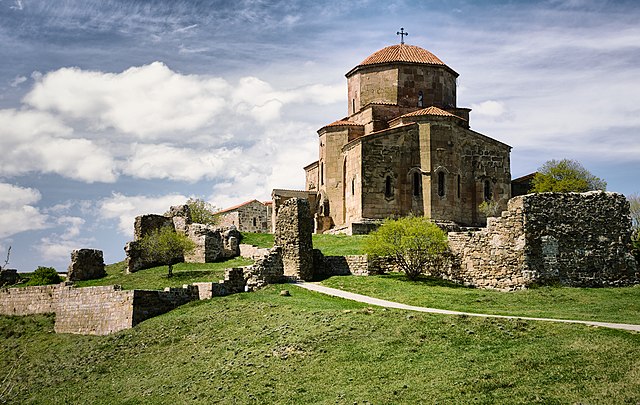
405,147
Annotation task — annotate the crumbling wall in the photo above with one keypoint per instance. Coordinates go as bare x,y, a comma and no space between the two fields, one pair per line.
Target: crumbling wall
575,239
357,265
268,269
212,243
93,310
86,264
294,226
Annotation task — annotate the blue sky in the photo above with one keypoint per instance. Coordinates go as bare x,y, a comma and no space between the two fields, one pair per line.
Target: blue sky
112,109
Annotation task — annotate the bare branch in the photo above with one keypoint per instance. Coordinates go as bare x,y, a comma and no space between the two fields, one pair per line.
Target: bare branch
6,262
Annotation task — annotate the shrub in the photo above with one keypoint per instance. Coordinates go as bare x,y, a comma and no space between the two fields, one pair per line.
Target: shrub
410,242
44,276
202,212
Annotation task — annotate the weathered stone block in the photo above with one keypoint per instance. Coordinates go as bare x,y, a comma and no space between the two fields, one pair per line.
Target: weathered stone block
86,264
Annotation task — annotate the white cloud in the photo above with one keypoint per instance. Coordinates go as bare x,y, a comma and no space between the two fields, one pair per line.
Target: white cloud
18,80
17,211
126,208
180,164
58,246
489,108
144,101
32,141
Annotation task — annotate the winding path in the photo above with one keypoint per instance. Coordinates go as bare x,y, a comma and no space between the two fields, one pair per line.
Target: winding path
390,304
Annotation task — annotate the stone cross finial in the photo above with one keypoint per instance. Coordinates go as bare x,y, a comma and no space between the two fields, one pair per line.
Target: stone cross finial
402,34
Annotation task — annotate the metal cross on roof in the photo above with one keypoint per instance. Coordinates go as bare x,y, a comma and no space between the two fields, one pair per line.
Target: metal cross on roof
402,34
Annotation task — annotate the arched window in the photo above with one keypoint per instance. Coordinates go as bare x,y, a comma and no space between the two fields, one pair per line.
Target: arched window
416,184
488,195
420,99
441,184
388,187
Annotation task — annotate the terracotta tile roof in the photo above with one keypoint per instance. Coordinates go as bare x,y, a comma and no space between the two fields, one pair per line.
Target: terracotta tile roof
341,122
430,111
402,53
235,207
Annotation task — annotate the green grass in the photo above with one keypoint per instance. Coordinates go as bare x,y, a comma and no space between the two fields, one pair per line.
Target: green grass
156,277
330,245
601,304
310,348
262,240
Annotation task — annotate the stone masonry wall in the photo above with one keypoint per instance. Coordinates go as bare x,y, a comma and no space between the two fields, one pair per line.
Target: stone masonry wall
574,239
294,226
86,264
93,310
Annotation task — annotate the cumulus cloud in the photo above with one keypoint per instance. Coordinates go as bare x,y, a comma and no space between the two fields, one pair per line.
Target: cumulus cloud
17,210
143,101
489,108
126,208
58,246
33,141
150,161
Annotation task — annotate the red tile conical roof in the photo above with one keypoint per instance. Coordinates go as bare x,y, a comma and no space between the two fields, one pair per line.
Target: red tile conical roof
401,53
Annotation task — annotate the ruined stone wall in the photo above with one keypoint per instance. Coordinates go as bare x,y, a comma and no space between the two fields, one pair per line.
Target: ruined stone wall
294,226
212,243
357,265
268,269
574,239
86,264
93,310
252,252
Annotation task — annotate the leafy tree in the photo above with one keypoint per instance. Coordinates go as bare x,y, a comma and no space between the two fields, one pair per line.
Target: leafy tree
409,242
166,245
44,276
202,212
565,176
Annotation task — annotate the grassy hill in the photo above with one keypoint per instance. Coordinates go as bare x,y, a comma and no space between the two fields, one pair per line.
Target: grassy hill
330,245
309,348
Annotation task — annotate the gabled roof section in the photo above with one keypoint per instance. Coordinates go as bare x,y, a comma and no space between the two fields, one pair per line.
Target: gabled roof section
431,111
402,53
235,207
341,123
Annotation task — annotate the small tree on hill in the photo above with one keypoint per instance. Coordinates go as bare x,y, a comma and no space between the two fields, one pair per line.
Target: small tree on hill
202,212
565,176
409,242
44,276
166,245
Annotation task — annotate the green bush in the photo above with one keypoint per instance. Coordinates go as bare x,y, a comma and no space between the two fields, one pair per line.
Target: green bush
44,276
411,243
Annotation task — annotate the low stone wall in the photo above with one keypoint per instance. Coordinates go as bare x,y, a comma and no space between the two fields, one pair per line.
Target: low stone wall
268,269
93,310
357,265
252,252
574,239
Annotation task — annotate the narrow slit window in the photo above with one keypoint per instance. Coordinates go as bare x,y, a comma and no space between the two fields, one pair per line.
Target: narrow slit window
420,99
353,186
388,189
441,184
458,186
254,222
321,173
488,195
416,184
